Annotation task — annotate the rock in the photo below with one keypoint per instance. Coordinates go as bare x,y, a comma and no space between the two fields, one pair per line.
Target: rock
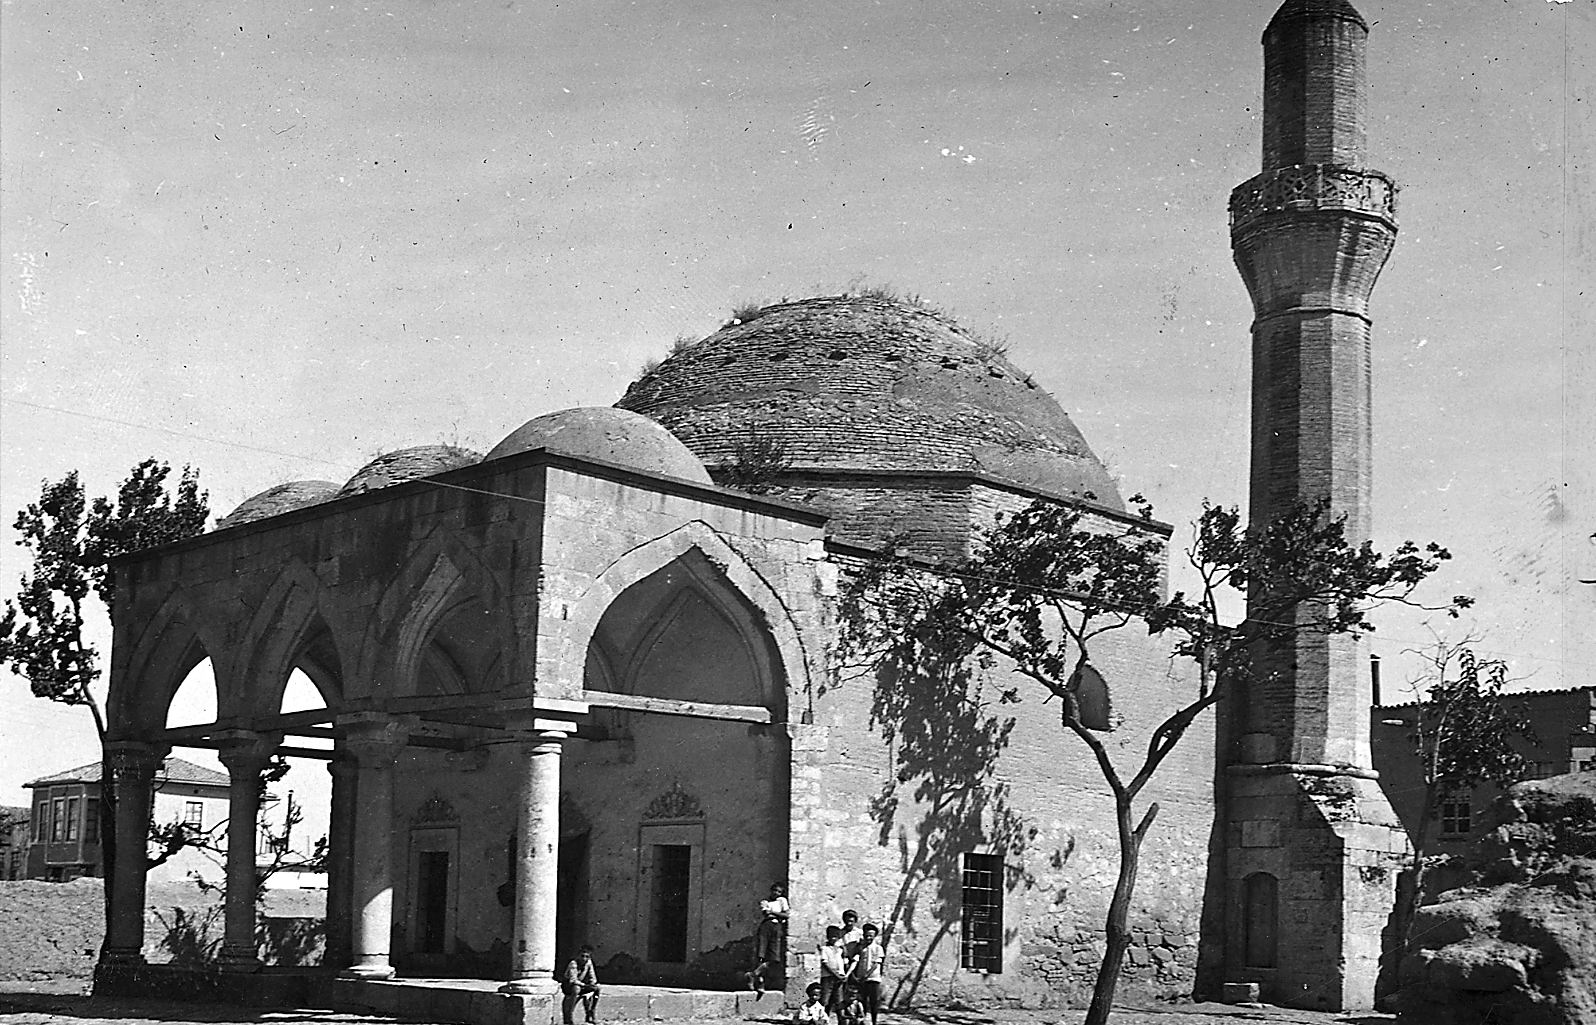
1518,945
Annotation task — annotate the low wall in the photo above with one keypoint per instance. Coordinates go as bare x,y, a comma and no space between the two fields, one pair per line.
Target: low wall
54,930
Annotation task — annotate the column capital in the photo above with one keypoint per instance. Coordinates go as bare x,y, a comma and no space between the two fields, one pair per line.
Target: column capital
246,751
133,761
373,739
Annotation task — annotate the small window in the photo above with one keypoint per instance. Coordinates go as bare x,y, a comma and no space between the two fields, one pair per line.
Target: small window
1457,816
72,818
58,820
194,814
981,923
41,817
91,820
1091,698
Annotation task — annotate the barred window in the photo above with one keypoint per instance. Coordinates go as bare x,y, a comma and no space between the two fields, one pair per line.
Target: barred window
1457,815
981,923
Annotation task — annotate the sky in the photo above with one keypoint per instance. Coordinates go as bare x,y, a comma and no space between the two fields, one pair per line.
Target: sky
274,240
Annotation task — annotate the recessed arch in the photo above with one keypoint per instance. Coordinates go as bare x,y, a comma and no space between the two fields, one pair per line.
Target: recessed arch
172,642
719,559
290,630
445,614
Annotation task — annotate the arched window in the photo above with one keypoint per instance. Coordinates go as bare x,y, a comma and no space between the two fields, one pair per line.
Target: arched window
1091,697
1262,910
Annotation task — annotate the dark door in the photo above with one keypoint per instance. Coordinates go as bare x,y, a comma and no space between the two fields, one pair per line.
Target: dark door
570,902
432,901
667,934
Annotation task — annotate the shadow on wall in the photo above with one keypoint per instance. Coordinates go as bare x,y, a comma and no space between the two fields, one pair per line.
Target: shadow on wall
192,937
946,737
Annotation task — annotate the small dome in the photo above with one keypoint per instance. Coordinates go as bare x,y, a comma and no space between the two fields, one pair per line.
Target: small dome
607,435
278,499
407,464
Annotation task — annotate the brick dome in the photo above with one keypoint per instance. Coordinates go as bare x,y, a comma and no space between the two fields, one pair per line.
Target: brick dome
278,499
407,464
868,383
607,435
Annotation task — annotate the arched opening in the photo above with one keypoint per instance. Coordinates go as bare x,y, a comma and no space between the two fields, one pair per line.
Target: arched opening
681,778
1091,698
1260,925
294,826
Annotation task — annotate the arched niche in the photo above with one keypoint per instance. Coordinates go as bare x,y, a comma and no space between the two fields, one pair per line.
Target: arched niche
685,633
1260,920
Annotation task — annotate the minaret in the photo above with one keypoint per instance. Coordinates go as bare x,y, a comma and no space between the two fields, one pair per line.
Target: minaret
1310,839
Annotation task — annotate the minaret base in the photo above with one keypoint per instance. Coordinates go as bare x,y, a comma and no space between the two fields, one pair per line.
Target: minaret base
1312,858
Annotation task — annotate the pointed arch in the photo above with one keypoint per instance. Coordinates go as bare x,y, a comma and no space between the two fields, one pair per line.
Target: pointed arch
439,579
171,643
648,558
291,629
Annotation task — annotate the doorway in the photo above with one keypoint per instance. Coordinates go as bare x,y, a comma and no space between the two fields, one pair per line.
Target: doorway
432,901
570,902
668,913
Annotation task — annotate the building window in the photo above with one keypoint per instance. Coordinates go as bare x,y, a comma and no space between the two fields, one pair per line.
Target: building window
194,814
91,820
1457,815
41,816
981,923
72,818
58,820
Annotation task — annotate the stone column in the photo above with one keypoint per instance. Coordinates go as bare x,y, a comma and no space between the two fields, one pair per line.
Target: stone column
132,766
375,745
245,754
340,858
532,951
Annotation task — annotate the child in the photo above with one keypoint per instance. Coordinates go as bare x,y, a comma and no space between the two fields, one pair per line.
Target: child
852,1011
866,977
768,937
851,934
813,1011
580,983
833,969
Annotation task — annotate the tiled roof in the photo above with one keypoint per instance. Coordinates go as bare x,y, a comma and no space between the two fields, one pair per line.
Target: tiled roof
1516,695
173,770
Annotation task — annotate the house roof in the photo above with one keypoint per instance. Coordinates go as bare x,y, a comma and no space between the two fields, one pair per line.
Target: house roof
173,770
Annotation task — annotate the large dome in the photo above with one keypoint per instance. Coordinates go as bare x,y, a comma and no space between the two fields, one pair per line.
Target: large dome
609,436
869,383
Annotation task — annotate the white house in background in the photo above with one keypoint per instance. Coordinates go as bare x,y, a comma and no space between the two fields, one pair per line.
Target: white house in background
64,835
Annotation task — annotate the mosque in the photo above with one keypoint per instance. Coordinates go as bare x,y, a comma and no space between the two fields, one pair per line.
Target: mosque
583,690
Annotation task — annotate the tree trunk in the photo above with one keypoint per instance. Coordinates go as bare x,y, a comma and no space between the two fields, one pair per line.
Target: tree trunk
1117,927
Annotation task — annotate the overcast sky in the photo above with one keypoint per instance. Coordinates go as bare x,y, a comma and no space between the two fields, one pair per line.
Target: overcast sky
274,240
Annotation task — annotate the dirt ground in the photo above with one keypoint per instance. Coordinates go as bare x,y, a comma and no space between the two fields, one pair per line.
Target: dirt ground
66,1004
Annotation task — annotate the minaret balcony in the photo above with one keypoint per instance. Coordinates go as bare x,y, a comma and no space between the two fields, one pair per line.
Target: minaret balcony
1311,188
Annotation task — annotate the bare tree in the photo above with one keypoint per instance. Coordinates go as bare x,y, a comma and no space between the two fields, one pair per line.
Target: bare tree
1046,584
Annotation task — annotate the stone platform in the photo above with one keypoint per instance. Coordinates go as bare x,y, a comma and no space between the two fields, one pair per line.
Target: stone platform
479,1002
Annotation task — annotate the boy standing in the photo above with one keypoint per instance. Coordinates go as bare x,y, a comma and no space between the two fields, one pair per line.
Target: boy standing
867,971
833,969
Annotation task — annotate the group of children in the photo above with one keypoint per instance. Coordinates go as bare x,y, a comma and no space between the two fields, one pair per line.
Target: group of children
851,963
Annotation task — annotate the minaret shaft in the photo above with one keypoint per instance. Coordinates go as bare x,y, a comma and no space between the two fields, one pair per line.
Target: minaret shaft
1311,844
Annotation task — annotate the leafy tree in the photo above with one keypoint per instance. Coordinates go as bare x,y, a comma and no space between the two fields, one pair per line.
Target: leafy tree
72,544
1046,584
1464,734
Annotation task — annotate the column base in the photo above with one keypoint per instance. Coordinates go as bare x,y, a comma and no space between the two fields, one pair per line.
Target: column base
235,960
533,986
116,957
369,972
